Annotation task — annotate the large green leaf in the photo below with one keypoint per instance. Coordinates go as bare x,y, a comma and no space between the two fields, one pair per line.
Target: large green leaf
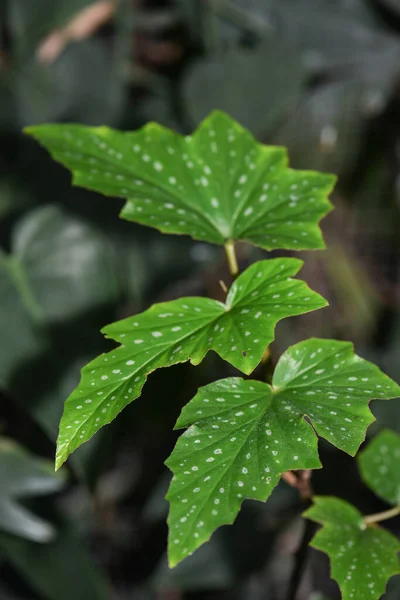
60,266
176,331
65,265
59,570
22,339
242,435
362,558
22,476
215,185
231,82
380,466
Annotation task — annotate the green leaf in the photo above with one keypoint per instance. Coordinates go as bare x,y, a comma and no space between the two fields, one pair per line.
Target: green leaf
21,476
242,435
39,93
63,264
379,465
231,82
215,185
29,27
339,384
59,570
362,558
176,331
22,338
60,266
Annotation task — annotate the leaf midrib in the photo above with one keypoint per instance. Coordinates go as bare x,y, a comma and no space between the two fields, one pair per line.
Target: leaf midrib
256,422
122,168
147,373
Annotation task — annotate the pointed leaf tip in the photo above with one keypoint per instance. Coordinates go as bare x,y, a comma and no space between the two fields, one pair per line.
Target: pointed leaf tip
215,185
362,558
185,329
242,435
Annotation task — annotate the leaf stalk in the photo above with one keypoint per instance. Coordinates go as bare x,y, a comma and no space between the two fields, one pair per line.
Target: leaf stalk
231,258
382,516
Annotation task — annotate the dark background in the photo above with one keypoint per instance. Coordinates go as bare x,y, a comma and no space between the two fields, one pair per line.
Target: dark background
319,76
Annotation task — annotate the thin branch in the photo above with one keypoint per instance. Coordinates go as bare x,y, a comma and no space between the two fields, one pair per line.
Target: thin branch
300,558
382,516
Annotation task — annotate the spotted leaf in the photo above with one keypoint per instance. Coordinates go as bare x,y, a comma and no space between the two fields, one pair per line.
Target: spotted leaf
239,330
216,185
380,466
333,386
242,435
362,558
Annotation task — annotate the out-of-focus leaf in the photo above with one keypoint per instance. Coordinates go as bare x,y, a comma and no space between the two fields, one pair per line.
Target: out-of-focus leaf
257,87
30,24
356,10
325,131
21,338
380,466
59,570
21,476
330,37
81,85
13,197
67,265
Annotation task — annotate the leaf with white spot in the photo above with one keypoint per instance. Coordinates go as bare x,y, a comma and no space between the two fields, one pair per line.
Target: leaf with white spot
339,384
380,466
181,330
218,184
242,435
362,558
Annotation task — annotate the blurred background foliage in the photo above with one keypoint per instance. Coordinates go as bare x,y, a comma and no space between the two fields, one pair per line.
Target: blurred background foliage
319,76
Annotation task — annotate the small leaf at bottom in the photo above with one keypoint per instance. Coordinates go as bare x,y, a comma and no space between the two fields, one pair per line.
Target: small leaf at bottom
380,466
362,558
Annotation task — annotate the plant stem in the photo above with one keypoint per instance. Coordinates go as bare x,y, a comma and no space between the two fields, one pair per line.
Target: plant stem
300,558
231,257
382,516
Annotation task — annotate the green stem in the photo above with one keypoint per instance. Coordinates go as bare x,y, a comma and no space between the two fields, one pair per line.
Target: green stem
17,272
382,516
231,257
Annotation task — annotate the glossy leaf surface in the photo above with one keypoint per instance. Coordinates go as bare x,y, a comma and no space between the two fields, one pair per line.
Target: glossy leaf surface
338,383
215,185
380,466
242,435
362,558
181,330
